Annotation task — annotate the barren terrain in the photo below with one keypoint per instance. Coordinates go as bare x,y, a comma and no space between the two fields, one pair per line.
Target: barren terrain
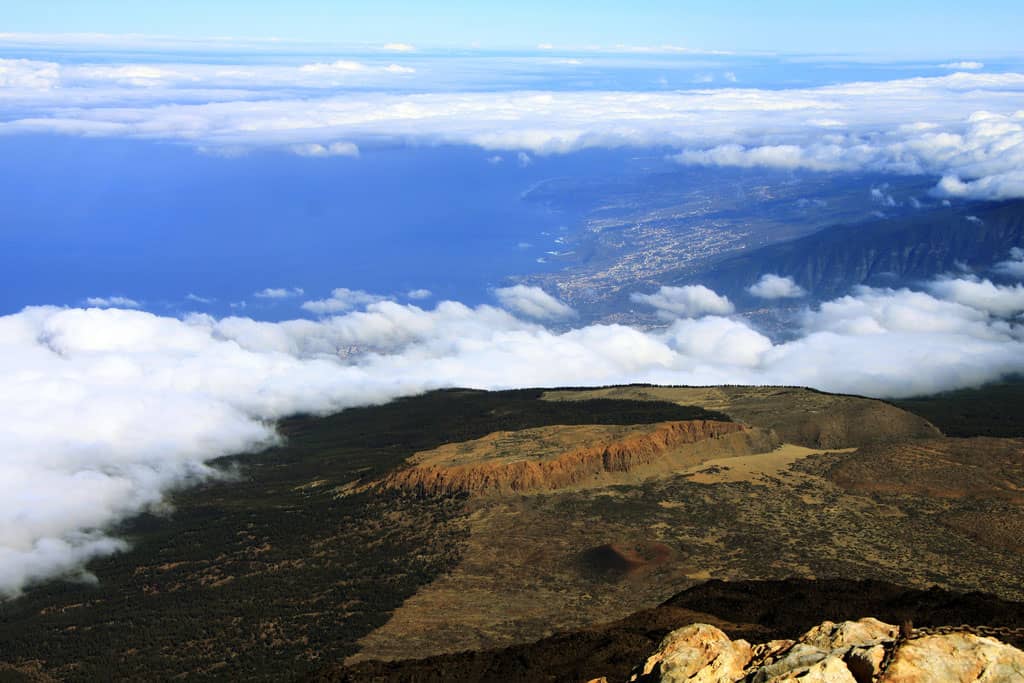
464,520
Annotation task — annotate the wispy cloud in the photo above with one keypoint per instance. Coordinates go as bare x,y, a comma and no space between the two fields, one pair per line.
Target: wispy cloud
963,66
342,299
333,149
1014,266
112,302
533,302
279,293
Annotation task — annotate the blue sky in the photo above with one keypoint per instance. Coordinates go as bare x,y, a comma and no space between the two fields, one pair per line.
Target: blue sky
907,28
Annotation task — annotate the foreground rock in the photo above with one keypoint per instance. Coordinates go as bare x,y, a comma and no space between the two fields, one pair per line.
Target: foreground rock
849,652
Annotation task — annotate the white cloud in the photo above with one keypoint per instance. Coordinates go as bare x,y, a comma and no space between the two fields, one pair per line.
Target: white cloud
998,300
419,294
199,299
399,47
108,409
279,293
24,74
342,65
1009,185
334,149
1014,266
342,299
772,286
963,66
964,127
690,301
717,341
533,302
112,302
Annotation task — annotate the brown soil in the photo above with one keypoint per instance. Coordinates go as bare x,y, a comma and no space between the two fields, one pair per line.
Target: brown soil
761,468
942,468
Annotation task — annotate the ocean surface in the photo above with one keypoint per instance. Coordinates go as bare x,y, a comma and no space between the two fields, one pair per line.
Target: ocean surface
156,222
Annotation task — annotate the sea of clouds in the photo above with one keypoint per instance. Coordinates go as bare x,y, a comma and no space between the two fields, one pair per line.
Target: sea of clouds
966,127
108,409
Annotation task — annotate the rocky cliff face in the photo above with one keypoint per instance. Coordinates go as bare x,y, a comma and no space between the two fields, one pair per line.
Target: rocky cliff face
861,651
666,446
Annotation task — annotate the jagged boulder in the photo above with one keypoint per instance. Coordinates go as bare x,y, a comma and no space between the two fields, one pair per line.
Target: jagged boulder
699,653
861,651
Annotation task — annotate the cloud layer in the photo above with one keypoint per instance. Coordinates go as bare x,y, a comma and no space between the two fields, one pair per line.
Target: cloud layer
966,127
108,409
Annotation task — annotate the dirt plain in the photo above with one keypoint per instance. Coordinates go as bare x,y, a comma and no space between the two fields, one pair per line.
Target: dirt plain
861,490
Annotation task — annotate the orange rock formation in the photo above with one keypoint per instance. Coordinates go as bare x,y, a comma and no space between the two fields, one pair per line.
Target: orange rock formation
671,444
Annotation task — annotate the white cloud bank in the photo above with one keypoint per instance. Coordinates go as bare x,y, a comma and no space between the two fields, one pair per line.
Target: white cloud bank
965,127
107,409
772,286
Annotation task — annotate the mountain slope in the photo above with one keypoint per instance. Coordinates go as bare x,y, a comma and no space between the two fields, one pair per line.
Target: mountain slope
882,252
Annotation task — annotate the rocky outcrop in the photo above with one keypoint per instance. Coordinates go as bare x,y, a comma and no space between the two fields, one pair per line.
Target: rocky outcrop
956,657
849,652
699,652
667,445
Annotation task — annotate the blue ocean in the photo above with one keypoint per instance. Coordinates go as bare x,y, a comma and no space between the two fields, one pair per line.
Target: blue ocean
156,222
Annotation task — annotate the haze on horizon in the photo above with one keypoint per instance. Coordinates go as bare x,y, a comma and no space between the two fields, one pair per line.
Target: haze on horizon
912,29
